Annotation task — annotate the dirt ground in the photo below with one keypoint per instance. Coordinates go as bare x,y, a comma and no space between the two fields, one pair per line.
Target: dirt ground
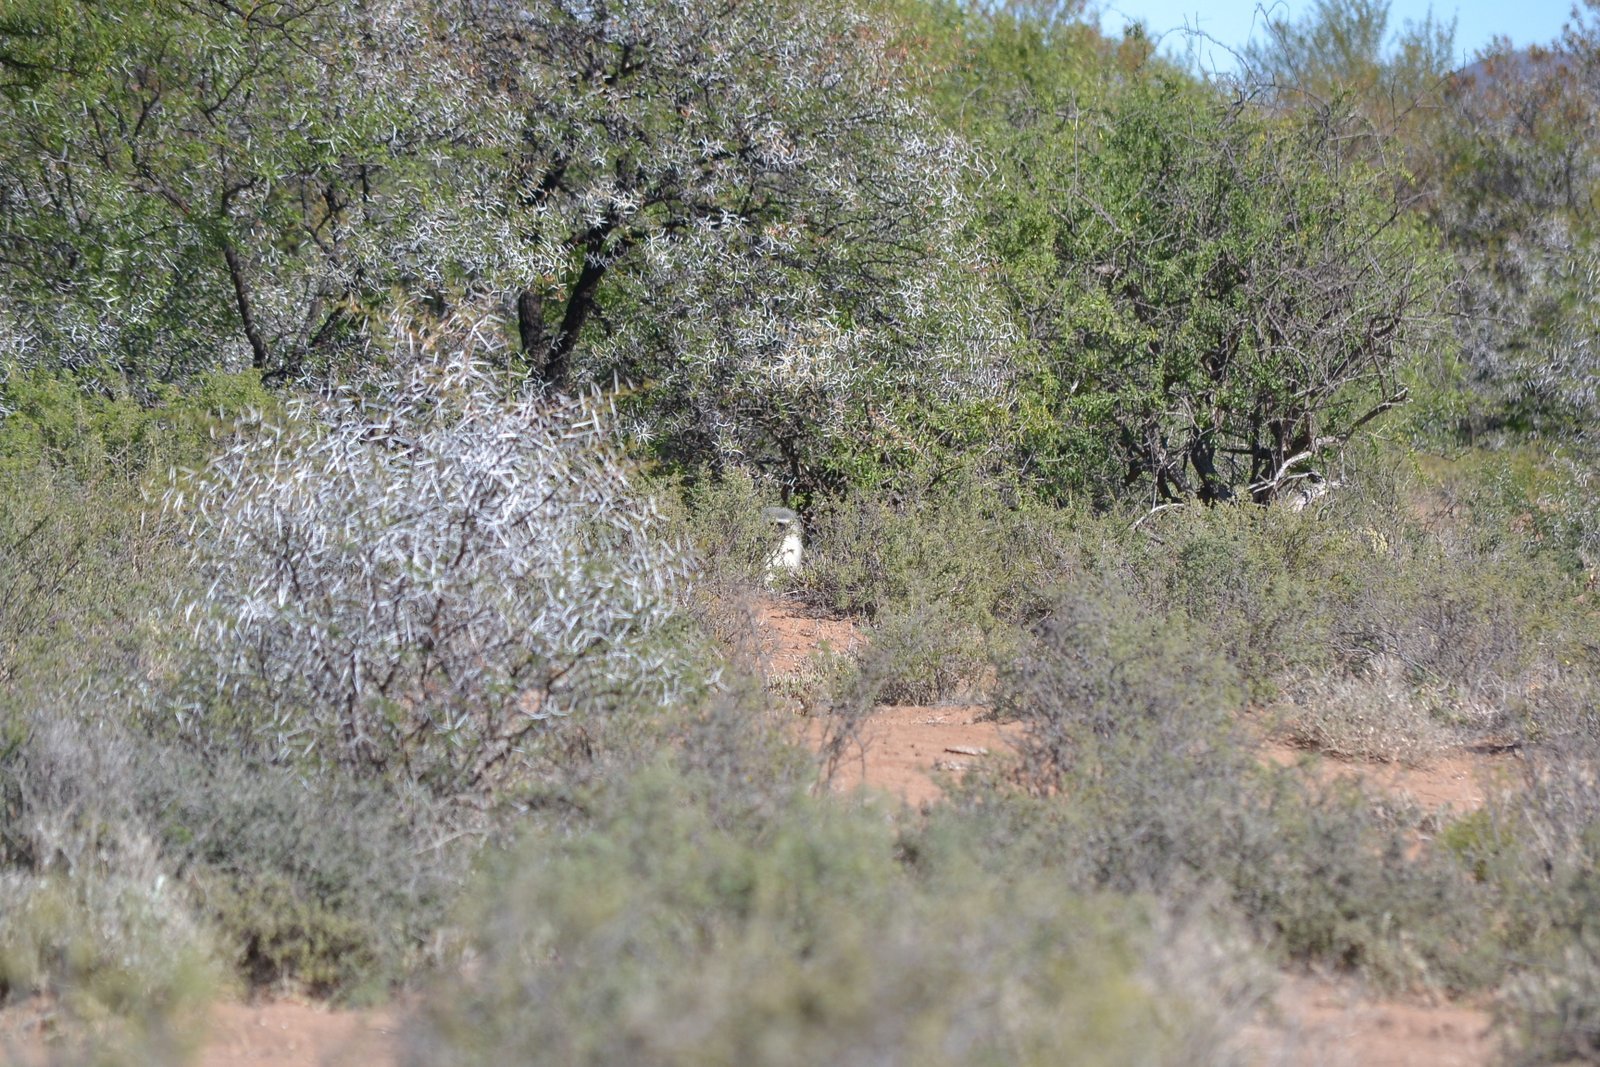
283,1033
1314,1021
1459,780
288,1034
1321,1022
788,636
908,751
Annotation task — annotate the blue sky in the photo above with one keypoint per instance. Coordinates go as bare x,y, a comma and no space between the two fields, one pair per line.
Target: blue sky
1230,21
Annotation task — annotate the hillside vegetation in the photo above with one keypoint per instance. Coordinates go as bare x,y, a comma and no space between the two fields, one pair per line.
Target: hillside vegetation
390,394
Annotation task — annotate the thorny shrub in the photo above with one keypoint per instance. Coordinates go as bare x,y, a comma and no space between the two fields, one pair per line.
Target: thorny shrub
81,554
326,884
1480,637
419,578
946,569
1536,843
1370,714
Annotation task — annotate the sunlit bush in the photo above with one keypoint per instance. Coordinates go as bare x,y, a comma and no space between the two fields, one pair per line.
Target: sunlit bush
419,578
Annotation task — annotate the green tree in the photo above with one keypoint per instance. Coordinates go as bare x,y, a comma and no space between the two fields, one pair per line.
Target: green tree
1516,199
1349,47
1243,297
1214,294
737,208
195,184
741,209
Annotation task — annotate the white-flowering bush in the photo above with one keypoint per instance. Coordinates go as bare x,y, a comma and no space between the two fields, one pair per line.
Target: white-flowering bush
254,203
743,210
419,578
747,368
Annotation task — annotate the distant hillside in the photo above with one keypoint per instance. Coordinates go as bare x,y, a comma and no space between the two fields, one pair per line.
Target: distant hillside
1501,67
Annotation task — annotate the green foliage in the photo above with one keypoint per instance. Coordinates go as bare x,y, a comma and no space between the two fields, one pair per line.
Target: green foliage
1535,844
655,936
82,555
973,287
1222,329
1515,184
90,912
205,187
91,426
1380,621
1101,672
794,294
1551,1012
1347,48
122,959
330,886
1132,773
769,249
1211,293
946,570
41,40
333,886
964,539
722,521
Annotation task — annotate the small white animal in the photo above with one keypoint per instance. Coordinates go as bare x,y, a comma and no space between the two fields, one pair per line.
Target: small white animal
790,549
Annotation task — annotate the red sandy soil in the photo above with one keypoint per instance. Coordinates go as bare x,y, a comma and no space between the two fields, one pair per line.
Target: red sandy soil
1459,780
281,1033
1323,1022
789,635
907,751
286,1034
1314,1022
903,751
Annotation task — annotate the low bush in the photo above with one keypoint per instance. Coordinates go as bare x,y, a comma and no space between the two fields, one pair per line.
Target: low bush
420,582
945,572
91,914
83,554
931,654
1553,1007
966,540
1373,712
1132,775
1536,845
72,561
327,885
654,935
721,519
1457,638
117,952
92,427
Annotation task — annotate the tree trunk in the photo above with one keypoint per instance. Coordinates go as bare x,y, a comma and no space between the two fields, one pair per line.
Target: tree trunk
247,315
556,367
